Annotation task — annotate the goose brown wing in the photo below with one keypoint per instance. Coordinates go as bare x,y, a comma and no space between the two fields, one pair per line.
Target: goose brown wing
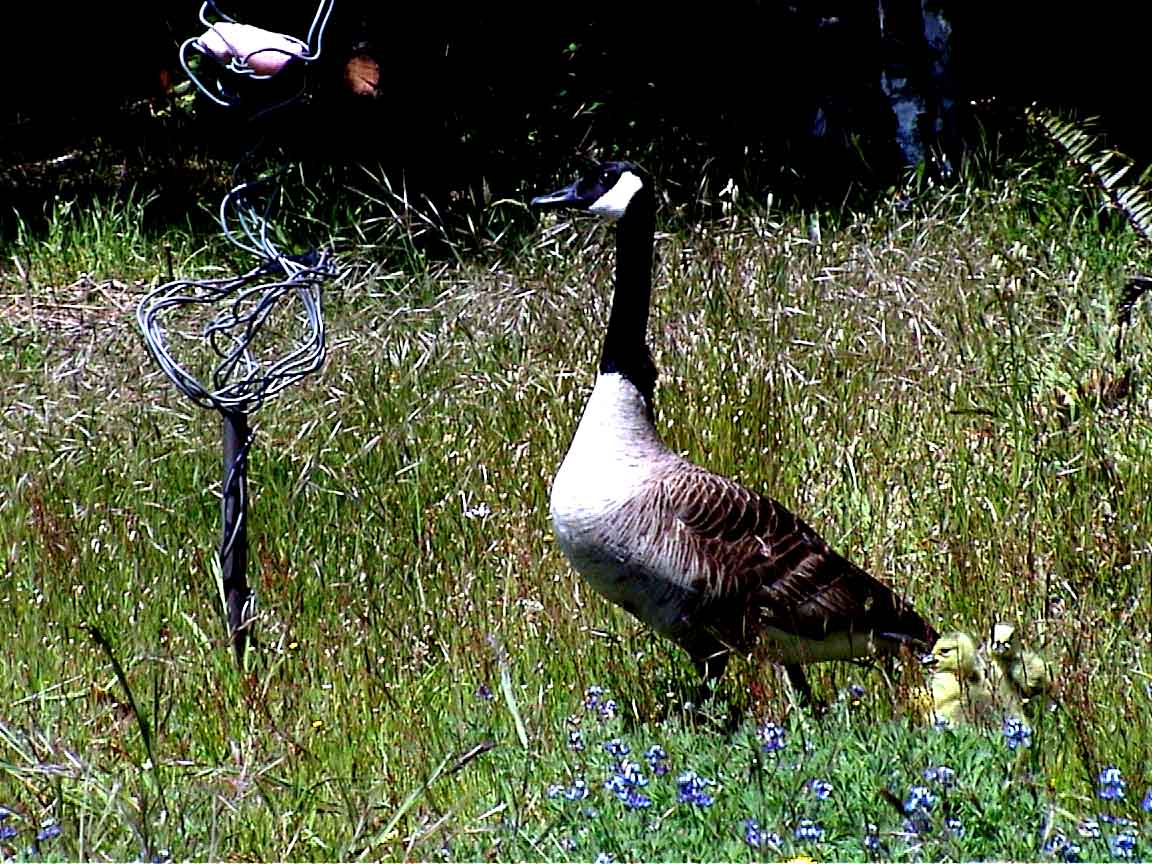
755,555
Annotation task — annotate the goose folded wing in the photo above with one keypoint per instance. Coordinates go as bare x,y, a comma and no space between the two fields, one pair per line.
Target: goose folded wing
755,552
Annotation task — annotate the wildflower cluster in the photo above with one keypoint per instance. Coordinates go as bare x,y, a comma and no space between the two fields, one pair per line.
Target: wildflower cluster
806,829
756,837
1122,844
596,700
772,738
918,805
941,774
1110,785
1017,733
690,789
1061,847
822,789
657,759
626,782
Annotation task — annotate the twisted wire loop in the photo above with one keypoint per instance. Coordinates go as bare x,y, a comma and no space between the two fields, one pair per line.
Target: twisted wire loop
239,309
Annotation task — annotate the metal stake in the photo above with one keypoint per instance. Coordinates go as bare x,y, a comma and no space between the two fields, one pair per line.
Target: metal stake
234,542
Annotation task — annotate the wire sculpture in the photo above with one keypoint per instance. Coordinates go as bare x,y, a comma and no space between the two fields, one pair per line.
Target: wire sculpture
241,319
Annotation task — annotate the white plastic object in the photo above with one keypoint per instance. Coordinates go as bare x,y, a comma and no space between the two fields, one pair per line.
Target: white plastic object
263,51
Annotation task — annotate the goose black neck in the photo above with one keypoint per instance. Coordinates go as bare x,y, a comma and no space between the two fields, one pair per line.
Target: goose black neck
626,344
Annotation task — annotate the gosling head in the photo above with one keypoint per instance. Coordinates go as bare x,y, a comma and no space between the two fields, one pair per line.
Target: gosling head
608,189
955,653
1003,641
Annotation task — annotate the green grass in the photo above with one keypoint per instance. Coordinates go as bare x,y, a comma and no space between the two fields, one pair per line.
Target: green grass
424,648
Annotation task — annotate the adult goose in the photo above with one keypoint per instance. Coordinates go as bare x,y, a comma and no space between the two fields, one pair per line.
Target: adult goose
704,561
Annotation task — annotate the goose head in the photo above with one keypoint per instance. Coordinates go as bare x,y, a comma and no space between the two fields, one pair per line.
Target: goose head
1003,641
955,653
611,190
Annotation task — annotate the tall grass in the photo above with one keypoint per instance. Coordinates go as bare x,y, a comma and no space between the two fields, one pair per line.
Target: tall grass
909,386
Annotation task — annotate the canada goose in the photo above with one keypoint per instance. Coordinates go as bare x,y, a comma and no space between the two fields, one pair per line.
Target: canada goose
1024,673
961,688
704,561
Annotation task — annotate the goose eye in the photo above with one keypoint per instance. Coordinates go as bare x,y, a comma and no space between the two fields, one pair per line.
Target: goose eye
606,177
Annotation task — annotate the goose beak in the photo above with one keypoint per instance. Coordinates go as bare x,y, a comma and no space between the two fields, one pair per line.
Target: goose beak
929,661
569,196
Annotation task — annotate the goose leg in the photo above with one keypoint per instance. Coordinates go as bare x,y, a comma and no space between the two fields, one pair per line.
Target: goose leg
799,682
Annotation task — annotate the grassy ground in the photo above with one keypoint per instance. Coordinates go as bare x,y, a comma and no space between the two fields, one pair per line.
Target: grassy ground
910,386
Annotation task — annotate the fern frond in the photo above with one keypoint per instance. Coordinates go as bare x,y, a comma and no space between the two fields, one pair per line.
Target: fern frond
1106,166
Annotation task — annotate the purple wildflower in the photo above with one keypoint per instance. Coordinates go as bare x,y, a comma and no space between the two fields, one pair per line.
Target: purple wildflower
657,759
617,748
919,798
1122,845
822,789
578,791
772,738
48,832
941,774
690,789
756,837
1089,828
806,829
1110,785
1017,733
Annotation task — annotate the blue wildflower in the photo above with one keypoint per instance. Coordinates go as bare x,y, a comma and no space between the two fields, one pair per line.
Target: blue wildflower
1122,845
872,838
7,832
1061,846
756,837
578,791
955,826
607,709
806,829
4,813
482,692
656,759
592,697
1110,784
616,747
1017,733
624,784
576,741
856,692
941,774
919,798
604,858
772,738
48,832
690,789
1089,828
554,790
629,772
1146,804
822,789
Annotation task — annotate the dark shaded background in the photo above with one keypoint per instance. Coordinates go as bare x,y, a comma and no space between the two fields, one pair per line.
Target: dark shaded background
784,96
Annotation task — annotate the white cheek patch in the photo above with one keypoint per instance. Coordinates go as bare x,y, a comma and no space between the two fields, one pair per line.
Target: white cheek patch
615,201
